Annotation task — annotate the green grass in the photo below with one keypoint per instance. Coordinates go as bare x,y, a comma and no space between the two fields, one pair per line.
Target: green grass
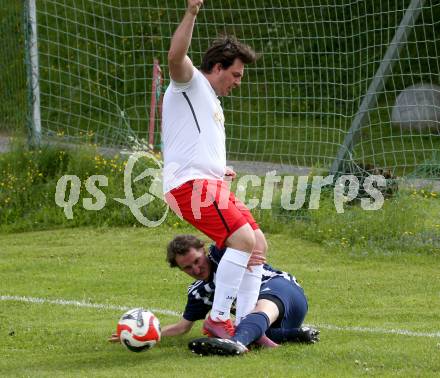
126,267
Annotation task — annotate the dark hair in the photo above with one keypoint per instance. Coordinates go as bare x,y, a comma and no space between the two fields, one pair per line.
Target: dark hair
225,50
181,245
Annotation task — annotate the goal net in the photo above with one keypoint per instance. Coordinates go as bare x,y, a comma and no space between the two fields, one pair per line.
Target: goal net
12,71
296,106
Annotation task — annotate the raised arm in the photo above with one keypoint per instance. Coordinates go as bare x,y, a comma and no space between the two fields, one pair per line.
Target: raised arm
179,64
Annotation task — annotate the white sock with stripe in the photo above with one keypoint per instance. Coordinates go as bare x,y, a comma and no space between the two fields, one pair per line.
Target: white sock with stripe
248,292
228,278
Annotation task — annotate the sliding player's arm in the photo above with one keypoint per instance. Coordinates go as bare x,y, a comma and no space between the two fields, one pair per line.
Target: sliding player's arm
179,64
183,326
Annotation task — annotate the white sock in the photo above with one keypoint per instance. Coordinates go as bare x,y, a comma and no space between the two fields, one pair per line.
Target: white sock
228,278
248,292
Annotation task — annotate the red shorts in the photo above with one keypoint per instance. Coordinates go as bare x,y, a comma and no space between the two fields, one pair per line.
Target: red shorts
210,207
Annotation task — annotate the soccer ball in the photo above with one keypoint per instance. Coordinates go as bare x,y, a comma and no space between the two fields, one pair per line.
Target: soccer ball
138,330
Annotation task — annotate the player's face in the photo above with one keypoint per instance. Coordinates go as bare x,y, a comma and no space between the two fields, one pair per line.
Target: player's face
195,263
229,78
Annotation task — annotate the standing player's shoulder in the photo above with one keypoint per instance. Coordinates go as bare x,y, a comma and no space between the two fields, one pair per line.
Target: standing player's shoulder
181,70
179,86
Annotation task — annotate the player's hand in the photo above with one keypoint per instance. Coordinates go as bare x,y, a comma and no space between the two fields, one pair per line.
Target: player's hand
257,258
230,175
114,338
194,6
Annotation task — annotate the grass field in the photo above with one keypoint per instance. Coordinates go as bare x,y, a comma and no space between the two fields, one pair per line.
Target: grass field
378,313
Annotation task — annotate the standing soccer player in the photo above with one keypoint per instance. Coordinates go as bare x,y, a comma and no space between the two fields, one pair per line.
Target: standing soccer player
195,165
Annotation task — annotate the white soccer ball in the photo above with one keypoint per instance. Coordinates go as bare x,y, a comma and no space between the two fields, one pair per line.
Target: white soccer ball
138,330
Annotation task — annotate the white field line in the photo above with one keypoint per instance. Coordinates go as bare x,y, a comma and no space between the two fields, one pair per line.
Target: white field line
382,331
64,302
83,304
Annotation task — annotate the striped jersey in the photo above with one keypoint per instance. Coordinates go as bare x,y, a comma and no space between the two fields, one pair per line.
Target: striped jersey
201,293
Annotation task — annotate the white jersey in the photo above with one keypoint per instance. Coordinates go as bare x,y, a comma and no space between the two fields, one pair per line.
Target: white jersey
193,133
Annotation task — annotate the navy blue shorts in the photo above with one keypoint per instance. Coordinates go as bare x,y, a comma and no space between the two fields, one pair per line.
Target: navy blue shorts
291,296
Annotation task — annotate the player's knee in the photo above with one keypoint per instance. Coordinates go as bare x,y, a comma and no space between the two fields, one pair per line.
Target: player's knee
243,239
246,242
269,308
260,241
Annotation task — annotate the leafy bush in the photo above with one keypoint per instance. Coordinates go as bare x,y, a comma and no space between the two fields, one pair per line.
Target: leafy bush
28,181
407,221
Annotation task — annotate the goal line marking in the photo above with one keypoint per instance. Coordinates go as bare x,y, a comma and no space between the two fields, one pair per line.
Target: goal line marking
64,302
83,304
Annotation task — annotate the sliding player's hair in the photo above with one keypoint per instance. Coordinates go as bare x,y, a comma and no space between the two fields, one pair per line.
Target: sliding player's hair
181,245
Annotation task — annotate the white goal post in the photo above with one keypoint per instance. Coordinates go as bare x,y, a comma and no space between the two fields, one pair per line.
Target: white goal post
34,118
